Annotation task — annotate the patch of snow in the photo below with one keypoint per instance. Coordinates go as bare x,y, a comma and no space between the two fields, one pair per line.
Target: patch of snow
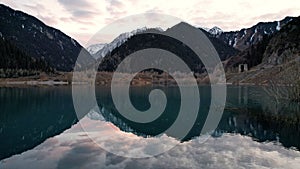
41,29
215,31
245,32
49,35
251,39
23,26
235,42
230,42
278,26
73,41
255,31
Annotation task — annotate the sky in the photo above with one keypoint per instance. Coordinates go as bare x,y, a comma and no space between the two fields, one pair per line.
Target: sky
81,19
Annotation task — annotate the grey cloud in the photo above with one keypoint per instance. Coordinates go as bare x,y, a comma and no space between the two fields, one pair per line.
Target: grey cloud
115,3
112,159
115,9
275,16
43,14
81,156
71,4
80,9
82,13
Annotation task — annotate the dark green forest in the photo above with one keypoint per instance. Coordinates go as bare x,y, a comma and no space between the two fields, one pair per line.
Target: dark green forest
16,63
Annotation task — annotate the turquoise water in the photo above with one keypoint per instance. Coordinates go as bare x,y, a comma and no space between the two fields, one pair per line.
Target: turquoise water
32,117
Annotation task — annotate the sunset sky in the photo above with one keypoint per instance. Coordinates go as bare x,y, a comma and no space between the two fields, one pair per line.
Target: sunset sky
81,19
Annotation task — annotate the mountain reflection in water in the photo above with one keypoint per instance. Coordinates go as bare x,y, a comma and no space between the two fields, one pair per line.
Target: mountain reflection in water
29,116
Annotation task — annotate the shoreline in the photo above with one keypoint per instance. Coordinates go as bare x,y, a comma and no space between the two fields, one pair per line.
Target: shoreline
141,79
141,84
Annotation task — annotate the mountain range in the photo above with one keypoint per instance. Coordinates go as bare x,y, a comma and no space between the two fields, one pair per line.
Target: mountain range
247,37
275,49
249,46
266,43
239,40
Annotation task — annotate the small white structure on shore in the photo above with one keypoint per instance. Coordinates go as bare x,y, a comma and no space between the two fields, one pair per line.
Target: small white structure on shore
243,68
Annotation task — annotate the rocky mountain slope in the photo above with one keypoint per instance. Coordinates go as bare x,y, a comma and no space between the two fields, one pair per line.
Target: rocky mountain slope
39,40
224,50
284,46
226,43
275,57
274,49
247,37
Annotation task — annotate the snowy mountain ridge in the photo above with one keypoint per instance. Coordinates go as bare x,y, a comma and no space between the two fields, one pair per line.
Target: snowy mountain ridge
93,49
101,50
244,38
239,40
215,30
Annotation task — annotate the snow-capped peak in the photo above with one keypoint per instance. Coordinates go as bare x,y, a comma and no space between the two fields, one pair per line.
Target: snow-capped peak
215,31
95,48
117,42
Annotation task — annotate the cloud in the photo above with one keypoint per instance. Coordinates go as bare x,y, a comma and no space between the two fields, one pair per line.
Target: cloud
79,157
73,150
49,20
36,7
276,15
76,17
115,9
80,9
40,9
115,3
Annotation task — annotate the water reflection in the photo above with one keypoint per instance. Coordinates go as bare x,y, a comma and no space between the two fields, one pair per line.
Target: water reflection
73,149
249,111
28,116
31,115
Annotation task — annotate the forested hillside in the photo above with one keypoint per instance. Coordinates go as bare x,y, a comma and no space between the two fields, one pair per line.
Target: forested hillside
15,63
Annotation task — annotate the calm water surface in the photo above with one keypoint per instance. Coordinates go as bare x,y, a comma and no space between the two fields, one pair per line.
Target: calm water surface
39,128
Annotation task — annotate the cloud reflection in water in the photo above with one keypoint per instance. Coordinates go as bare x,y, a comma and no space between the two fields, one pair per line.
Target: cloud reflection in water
74,149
